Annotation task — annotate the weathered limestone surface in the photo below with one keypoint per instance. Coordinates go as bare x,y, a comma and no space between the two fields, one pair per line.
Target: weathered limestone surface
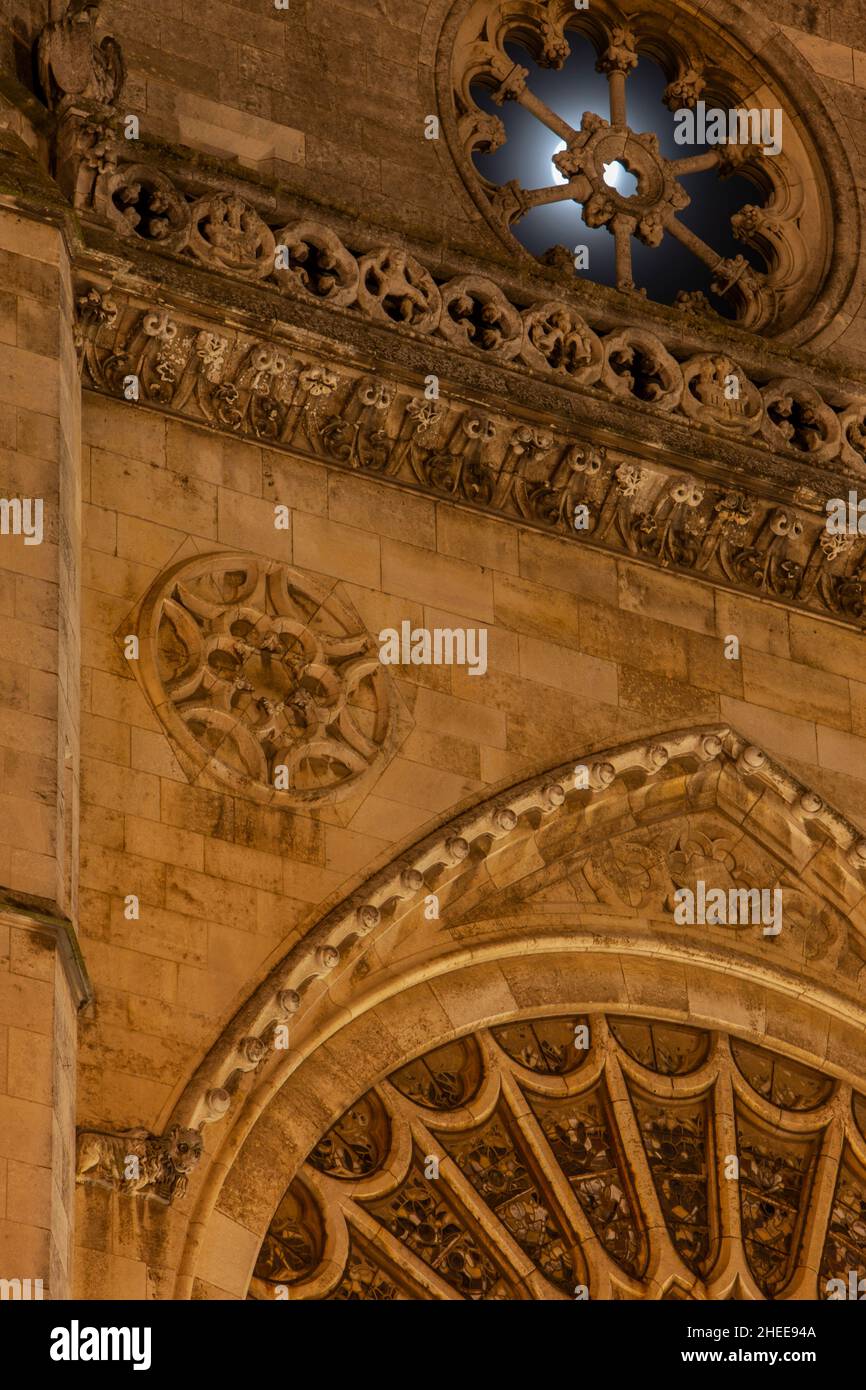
39,746
184,884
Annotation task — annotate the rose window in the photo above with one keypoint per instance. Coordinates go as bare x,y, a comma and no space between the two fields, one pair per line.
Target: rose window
612,150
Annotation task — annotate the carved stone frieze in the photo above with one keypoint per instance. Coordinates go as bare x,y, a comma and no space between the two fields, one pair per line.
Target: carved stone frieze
543,475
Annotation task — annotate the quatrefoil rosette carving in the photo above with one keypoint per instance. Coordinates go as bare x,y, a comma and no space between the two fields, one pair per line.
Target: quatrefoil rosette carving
266,681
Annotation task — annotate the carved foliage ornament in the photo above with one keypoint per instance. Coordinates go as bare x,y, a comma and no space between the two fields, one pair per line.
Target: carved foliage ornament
265,680
597,1149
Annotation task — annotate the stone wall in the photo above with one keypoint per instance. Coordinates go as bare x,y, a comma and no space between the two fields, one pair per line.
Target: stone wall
584,651
40,991
39,701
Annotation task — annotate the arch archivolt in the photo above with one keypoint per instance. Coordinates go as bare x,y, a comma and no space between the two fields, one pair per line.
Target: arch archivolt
554,899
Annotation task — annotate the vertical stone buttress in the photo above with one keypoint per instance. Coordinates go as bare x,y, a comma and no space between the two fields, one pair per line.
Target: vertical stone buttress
42,982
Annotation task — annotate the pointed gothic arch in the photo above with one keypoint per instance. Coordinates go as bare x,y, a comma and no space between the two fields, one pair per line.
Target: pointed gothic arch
554,899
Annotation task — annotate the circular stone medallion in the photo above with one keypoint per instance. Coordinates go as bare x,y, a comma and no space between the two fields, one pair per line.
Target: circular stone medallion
265,680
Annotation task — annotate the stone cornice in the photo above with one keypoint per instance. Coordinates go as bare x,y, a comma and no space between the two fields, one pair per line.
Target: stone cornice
61,933
650,480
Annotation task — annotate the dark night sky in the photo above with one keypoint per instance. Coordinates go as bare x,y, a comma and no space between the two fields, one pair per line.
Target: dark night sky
527,153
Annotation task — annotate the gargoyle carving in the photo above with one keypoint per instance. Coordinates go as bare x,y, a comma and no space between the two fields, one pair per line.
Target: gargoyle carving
139,1163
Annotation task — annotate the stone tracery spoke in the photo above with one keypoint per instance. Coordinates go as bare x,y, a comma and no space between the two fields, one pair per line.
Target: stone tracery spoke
538,108
692,242
618,99
576,190
696,163
503,1177
731,1268
425,1279
663,1261
622,230
600,1268
514,1259
804,1283
553,1179
364,1278
658,215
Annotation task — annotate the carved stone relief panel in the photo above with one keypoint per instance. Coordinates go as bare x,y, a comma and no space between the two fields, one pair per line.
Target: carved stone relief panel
265,680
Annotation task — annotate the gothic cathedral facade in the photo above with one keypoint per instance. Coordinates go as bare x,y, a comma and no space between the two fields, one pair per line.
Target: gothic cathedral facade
433,682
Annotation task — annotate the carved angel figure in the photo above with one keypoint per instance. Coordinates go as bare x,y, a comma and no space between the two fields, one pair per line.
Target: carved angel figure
72,64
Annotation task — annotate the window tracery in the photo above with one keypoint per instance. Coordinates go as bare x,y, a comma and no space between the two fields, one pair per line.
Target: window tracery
761,243
660,1161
